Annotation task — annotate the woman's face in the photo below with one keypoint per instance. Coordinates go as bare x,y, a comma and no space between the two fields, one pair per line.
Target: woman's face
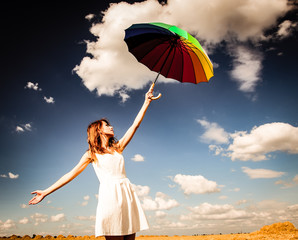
107,129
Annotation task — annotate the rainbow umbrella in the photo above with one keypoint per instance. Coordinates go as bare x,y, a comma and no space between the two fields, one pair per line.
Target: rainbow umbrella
170,51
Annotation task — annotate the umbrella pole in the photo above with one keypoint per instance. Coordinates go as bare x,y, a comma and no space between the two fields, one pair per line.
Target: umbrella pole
159,95
156,77
172,47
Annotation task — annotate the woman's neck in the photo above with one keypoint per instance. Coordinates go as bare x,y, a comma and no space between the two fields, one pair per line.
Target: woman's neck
105,142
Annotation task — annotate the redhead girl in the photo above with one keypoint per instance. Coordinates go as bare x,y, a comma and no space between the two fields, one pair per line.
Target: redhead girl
119,213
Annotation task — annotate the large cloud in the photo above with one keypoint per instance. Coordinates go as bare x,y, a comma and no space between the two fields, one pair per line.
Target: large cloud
160,202
214,133
261,173
111,69
247,66
195,184
270,137
215,212
257,144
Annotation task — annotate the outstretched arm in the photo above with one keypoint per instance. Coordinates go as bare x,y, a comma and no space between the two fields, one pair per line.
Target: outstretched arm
133,128
41,194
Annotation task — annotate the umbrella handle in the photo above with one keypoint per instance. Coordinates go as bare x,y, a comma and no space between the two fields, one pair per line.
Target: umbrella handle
157,97
152,86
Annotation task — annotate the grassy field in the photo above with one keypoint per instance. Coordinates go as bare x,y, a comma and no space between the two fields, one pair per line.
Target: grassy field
276,231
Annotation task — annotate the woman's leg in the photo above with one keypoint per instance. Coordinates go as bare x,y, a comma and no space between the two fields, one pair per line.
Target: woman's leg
114,237
130,237
126,237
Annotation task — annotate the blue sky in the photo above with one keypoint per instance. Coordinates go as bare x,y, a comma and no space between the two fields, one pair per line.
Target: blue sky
208,158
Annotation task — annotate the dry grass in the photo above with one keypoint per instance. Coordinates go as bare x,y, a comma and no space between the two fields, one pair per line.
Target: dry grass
276,231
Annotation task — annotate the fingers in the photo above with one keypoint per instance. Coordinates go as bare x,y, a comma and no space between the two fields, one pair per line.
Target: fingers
149,94
151,87
32,201
35,199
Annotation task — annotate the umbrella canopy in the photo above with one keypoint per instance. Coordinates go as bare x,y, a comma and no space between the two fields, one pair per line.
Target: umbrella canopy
170,51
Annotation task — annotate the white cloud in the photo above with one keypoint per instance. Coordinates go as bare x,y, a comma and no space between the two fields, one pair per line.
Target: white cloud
215,212
28,126
90,16
257,144
19,129
49,99
3,175
284,184
216,149
295,179
23,205
86,198
289,184
175,225
261,173
160,202
138,158
214,133
39,218
195,184
8,224
123,95
160,214
112,70
58,218
240,202
247,66
285,28
33,86
141,191
293,208
24,221
236,190
13,176
270,137
223,197
86,218
24,127
227,218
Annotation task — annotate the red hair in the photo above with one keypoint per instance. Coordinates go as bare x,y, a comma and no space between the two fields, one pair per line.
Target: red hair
94,141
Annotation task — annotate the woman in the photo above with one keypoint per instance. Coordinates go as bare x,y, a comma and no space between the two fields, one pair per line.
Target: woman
119,213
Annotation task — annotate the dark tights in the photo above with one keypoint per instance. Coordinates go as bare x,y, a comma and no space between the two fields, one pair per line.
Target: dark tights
126,237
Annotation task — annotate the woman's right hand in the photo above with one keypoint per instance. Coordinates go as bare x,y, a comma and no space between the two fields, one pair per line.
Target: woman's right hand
149,95
40,195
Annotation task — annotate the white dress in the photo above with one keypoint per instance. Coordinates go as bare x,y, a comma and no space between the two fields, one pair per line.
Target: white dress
119,211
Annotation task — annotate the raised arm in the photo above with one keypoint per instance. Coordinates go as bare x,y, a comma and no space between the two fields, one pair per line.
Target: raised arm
41,194
133,128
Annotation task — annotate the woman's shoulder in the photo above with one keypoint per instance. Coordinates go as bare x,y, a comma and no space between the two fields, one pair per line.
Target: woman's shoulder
87,157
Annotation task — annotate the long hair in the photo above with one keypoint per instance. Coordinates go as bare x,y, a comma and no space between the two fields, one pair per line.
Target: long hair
94,141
